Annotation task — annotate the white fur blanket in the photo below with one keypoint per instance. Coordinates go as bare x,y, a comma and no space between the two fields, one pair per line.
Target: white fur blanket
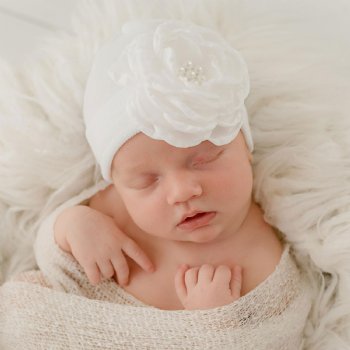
298,54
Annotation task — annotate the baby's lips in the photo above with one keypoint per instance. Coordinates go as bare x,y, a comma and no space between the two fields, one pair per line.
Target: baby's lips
188,215
197,220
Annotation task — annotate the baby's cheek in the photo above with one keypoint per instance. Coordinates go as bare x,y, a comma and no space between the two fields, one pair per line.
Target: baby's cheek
140,215
233,187
146,215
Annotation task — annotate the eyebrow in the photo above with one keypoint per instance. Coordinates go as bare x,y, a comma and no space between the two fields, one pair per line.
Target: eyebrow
135,168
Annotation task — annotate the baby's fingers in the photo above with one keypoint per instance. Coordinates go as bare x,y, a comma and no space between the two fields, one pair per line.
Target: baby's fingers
138,255
236,282
121,268
93,273
106,268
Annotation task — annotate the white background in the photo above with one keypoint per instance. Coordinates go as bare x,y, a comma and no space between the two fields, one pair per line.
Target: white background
23,23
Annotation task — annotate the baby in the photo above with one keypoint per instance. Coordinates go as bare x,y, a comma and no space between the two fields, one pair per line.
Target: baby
177,225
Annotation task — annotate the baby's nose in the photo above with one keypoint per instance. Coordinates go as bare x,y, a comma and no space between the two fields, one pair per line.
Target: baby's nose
182,187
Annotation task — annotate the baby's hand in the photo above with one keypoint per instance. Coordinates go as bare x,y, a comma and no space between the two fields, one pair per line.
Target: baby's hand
207,287
98,244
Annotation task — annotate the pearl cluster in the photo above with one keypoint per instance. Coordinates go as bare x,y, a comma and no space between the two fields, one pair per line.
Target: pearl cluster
192,73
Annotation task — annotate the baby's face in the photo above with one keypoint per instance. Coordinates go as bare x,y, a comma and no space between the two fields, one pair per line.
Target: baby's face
161,185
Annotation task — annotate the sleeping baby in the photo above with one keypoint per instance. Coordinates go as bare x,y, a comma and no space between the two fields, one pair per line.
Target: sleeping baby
175,224
176,146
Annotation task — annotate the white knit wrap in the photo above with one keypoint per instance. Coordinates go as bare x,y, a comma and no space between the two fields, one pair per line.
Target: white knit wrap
172,80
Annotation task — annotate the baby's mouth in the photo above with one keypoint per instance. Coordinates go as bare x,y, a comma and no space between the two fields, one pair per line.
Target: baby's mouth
196,220
194,217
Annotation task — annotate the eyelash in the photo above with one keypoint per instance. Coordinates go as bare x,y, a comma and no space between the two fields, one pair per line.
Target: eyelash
209,159
148,183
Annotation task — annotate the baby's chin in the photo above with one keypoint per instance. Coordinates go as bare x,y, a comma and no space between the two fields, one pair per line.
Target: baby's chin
203,235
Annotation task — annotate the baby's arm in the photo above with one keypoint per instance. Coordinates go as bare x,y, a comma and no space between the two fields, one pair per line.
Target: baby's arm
207,287
96,242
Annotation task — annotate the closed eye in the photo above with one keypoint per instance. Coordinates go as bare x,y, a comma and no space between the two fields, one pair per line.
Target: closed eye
207,158
143,182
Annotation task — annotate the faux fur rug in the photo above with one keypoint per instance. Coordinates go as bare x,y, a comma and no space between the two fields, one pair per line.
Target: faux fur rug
298,55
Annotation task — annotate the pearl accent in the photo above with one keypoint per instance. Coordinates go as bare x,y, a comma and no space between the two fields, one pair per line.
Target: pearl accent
192,73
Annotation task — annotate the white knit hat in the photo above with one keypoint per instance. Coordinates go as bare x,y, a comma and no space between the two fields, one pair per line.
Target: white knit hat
173,81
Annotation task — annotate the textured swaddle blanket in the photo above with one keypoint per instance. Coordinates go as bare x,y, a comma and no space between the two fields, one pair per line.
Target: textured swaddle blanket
57,308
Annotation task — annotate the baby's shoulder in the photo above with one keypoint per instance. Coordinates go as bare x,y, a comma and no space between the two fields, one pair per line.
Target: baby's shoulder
109,202
101,200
